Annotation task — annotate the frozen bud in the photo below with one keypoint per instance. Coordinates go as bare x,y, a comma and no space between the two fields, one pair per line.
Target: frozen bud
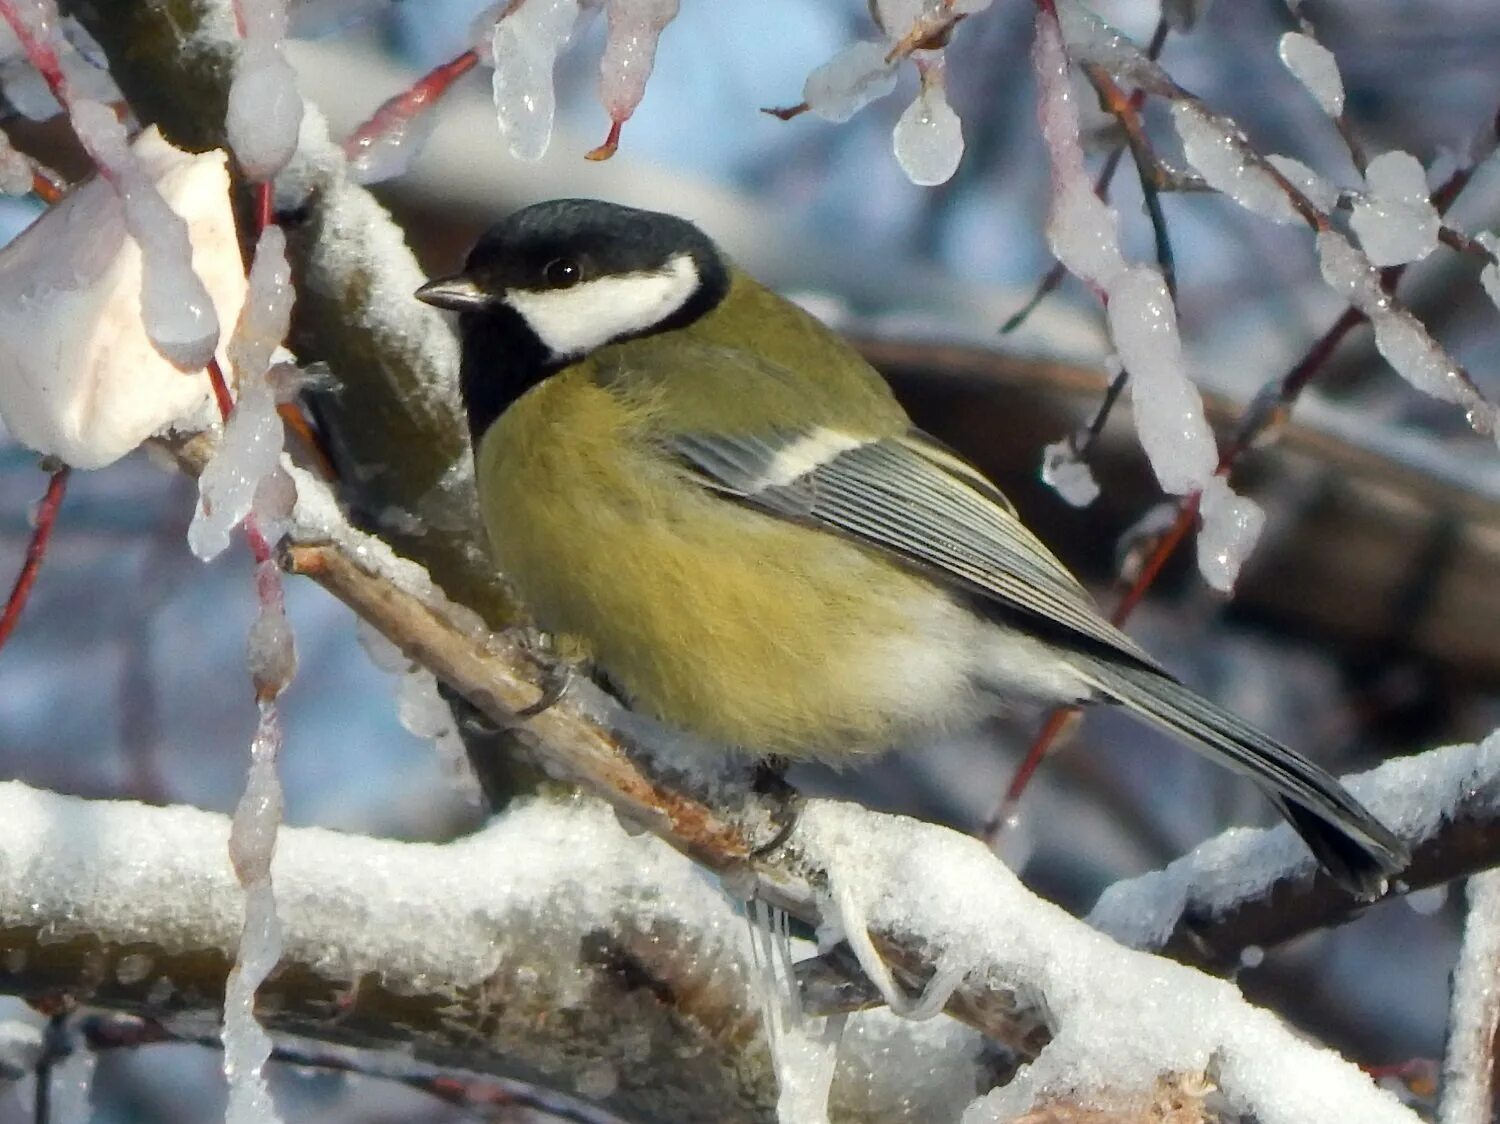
849,81
1395,221
928,139
1068,474
1313,65
1218,152
265,110
1318,191
525,47
634,26
79,376
1231,527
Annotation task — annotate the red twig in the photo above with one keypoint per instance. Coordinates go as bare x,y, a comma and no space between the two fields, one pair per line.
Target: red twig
419,96
36,550
39,51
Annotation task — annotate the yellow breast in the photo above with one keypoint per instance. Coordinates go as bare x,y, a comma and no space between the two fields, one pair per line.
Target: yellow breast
735,626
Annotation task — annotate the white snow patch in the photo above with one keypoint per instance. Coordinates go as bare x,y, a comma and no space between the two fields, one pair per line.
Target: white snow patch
1119,1019
1314,66
1231,528
1469,1061
1427,902
1413,796
21,1048
1394,220
79,376
1068,474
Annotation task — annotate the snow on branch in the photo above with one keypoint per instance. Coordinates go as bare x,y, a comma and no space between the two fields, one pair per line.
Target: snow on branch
1256,887
551,943
1469,1067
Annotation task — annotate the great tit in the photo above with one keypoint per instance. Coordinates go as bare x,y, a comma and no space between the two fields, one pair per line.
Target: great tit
705,494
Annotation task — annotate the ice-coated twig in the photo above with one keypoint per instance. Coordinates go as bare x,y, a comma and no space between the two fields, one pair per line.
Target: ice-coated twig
241,486
527,39
251,446
385,145
632,30
1083,232
264,113
553,945
1400,337
1314,66
1054,276
1259,888
175,306
1468,1090
1233,159
928,137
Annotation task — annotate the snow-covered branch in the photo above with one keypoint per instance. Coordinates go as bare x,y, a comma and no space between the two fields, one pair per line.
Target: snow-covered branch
631,955
1469,1068
569,951
1252,888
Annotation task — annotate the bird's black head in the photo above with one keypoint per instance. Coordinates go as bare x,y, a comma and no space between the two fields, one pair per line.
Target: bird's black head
558,280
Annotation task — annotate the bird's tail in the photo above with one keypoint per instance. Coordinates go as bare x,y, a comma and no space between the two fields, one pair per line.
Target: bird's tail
1351,844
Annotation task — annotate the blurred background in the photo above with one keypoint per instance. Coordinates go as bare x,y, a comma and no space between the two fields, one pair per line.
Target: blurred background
1365,625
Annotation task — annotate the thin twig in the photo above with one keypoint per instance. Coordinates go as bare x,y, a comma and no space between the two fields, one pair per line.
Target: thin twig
36,550
417,98
1054,276
125,1032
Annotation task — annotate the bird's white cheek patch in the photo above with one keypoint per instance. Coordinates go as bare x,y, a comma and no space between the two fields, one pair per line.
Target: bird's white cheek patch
575,321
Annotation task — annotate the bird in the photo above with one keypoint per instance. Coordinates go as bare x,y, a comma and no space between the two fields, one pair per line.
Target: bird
711,500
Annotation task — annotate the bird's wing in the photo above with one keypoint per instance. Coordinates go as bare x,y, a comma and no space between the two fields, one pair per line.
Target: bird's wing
913,498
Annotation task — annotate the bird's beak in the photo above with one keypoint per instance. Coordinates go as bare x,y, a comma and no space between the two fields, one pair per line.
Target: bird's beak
457,292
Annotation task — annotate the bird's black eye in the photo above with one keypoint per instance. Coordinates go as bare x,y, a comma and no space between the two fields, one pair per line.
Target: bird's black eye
561,273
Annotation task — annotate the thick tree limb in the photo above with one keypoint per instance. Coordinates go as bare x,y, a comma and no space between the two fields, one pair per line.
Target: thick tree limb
553,945
548,947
